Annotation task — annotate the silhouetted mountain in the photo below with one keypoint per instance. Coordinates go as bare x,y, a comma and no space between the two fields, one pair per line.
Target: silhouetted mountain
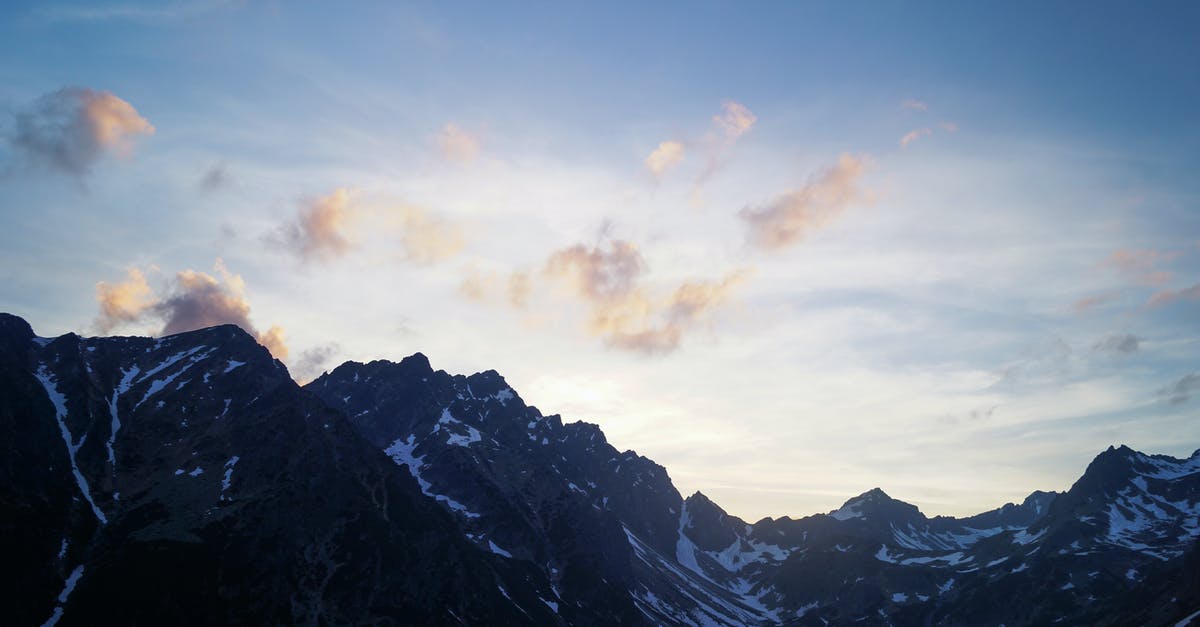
188,480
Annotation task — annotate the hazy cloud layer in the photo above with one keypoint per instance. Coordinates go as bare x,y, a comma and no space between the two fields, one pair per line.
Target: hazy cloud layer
789,217
318,233
192,300
457,144
426,238
1122,343
70,130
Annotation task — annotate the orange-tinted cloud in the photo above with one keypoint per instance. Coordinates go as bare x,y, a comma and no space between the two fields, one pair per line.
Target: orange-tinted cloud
1088,303
949,127
789,217
123,302
1143,264
666,156
914,135
915,105
735,119
666,322
319,230
1166,297
622,311
73,128
457,144
193,300
596,273
274,339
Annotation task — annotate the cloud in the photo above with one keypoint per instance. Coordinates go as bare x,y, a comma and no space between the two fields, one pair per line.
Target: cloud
622,311
457,144
311,362
123,302
275,341
1088,303
319,230
427,239
915,105
666,156
949,127
691,303
1121,344
192,300
597,274
734,120
514,289
96,12
215,178
1181,390
1143,264
72,129
1166,297
914,135
789,217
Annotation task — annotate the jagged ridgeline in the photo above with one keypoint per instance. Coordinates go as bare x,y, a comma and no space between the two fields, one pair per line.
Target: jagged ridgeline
187,480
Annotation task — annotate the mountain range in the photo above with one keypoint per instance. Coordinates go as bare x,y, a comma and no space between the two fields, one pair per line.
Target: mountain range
189,480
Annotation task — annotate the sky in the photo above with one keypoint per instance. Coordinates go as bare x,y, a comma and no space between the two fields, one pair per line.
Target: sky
790,251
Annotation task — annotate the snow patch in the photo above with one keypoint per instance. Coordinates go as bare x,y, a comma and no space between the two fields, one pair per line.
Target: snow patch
502,553
60,413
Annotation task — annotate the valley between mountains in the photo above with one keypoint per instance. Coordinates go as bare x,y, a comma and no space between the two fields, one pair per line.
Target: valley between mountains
188,480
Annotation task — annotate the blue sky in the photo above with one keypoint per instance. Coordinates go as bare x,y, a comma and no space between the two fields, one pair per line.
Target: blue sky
792,251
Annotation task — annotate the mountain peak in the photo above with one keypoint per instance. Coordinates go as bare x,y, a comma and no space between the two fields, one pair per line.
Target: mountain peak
15,331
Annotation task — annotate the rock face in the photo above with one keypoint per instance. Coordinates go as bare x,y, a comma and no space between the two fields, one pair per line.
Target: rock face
189,480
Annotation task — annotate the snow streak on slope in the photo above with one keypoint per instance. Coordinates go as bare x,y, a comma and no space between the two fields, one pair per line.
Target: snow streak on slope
126,381
60,412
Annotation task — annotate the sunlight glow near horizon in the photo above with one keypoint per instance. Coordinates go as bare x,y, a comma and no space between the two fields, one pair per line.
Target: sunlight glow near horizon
790,253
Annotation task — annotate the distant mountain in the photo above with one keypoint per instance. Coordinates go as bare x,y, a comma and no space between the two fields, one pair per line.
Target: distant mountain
188,480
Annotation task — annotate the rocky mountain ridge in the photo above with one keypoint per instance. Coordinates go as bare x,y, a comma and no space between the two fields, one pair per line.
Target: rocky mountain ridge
189,480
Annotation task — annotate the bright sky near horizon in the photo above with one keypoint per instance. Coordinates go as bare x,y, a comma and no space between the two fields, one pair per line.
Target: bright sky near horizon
790,251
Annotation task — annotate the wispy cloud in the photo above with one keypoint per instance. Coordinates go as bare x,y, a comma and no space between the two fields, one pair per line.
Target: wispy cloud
914,105
1143,265
1089,303
215,177
789,217
1181,390
72,129
159,12
735,119
1119,343
1166,297
914,135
